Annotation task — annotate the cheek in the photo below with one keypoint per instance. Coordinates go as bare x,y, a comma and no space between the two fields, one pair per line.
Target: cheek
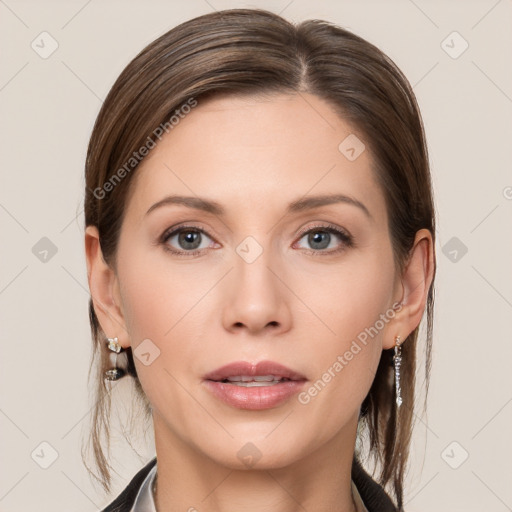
354,306
163,303
351,298
157,294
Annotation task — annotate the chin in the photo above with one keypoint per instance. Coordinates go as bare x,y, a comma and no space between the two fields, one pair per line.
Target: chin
256,452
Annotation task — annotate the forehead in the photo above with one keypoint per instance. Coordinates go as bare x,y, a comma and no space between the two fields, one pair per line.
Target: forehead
255,150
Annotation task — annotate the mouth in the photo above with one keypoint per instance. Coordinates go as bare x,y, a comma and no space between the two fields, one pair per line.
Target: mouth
263,373
247,381
254,386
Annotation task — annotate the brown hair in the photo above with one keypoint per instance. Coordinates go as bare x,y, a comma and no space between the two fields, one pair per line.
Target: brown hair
253,51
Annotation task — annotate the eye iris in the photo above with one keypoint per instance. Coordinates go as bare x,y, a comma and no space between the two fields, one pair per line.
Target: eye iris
318,237
187,239
191,239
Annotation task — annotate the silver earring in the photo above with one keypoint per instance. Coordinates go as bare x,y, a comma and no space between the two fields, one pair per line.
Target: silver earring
115,372
397,360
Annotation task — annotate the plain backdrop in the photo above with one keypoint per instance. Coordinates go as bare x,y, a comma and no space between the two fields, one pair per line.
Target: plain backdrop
458,57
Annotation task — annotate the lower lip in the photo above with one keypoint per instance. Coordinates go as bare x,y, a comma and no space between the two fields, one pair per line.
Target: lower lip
257,397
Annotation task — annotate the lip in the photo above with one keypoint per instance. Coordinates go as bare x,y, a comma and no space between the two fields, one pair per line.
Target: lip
258,397
239,368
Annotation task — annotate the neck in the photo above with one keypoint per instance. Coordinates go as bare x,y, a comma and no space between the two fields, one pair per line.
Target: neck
191,481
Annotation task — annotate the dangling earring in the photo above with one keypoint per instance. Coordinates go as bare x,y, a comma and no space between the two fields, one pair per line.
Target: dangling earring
115,372
397,360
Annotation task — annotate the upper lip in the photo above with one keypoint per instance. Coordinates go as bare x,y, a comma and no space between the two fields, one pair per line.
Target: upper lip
239,368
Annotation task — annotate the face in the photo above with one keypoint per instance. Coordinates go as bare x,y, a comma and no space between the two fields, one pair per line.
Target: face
266,275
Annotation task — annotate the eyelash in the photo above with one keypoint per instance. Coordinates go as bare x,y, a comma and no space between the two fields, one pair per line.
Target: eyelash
345,237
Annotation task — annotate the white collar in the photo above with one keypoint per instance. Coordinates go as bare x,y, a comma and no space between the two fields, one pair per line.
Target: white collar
144,501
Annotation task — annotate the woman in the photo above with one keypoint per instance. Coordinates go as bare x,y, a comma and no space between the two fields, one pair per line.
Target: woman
260,253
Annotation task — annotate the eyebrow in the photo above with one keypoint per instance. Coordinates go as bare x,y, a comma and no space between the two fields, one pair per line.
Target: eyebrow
306,203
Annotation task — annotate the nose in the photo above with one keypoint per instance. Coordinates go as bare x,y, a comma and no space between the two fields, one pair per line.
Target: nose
256,298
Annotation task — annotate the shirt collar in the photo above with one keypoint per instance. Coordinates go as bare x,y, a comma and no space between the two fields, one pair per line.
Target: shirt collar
144,501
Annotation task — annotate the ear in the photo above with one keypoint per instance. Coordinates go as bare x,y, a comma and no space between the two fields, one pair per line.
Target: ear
104,288
413,287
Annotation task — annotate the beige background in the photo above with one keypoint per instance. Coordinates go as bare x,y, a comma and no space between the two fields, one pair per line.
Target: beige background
48,107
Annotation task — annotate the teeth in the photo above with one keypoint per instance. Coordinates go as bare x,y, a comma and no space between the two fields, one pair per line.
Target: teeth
253,381
256,378
254,384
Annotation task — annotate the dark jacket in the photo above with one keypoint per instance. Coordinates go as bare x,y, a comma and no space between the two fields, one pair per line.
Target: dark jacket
372,494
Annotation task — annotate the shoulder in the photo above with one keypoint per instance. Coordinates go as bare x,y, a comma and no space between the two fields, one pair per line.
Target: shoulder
373,495
124,502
